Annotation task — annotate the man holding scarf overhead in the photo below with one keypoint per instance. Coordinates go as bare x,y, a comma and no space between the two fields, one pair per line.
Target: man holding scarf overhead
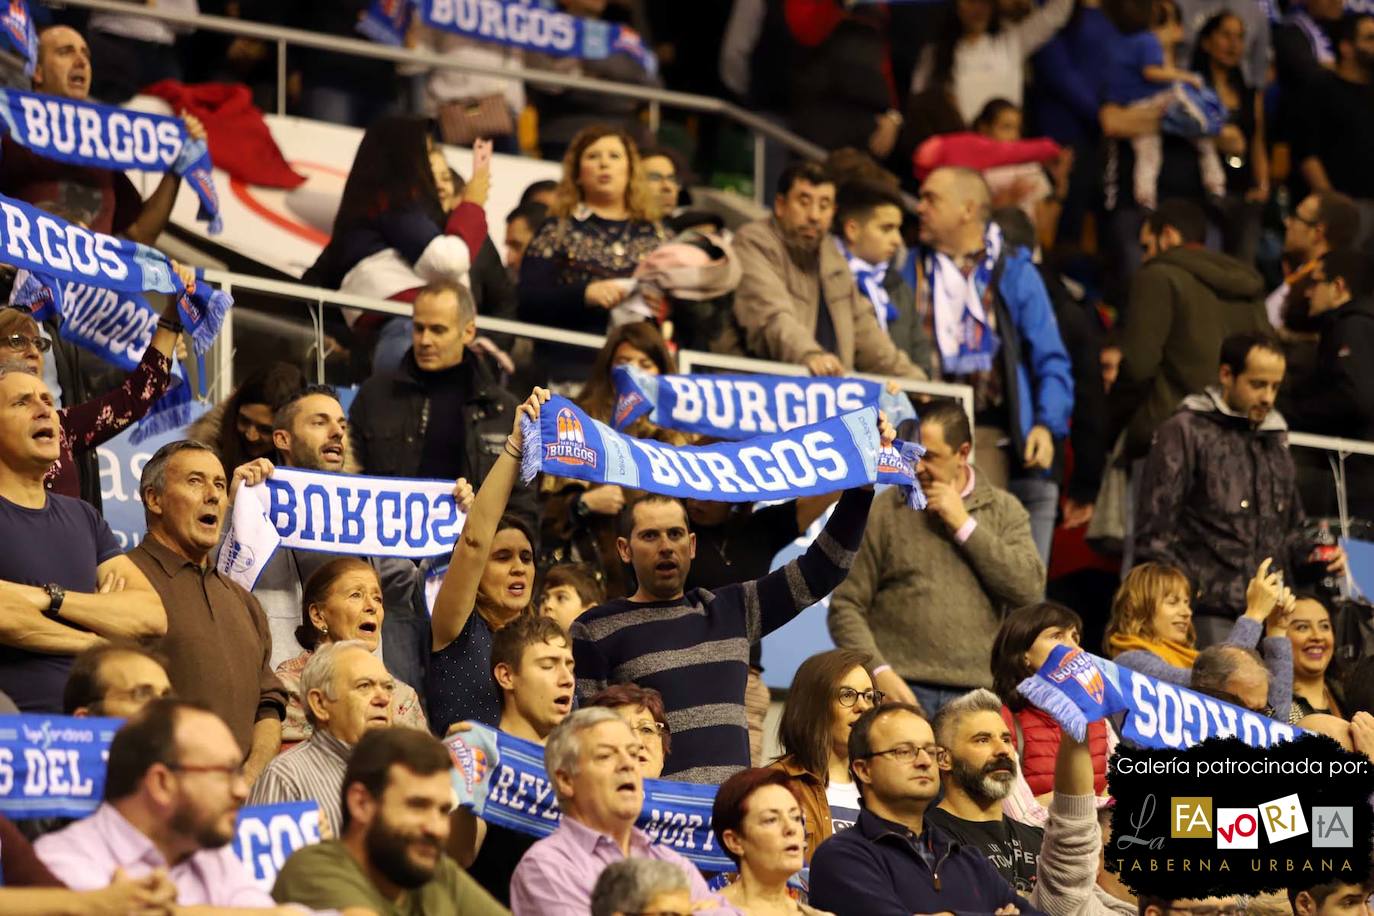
104,197
693,646
988,312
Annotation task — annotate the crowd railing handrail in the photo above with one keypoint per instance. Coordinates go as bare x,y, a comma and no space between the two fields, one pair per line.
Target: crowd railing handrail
284,36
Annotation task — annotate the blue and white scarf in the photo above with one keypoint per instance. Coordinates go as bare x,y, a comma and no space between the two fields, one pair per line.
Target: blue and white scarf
869,278
338,513
17,26
117,327
1077,688
53,766
741,406
1193,113
266,835
963,330
835,454
502,780
531,25
105,137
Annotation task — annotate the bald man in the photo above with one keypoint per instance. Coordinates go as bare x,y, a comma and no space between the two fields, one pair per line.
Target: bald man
987,310
101,199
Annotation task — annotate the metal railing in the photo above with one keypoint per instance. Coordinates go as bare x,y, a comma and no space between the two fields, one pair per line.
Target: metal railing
283,37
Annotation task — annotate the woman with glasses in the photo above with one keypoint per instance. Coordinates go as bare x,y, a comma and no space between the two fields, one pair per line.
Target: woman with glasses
86,424
828,694
757,819
642,710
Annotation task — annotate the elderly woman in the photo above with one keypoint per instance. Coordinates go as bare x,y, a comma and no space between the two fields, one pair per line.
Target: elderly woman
633,886
642,710
758,822
342,601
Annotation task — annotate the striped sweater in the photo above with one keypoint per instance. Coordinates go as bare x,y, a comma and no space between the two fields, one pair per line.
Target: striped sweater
695,649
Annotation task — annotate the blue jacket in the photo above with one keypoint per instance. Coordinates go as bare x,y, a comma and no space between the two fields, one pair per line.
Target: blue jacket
874,869
1068,78
1039,376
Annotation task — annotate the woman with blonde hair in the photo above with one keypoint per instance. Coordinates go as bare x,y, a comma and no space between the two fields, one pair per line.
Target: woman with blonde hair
603,221
1151,627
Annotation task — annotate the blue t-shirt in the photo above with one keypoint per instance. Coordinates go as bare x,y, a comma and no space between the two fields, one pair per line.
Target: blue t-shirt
1126,82
62,543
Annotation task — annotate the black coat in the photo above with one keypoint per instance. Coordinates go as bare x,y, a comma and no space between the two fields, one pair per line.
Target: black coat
1338,398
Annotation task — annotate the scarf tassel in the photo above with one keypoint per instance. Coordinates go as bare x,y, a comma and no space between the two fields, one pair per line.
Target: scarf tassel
531,452
1041,694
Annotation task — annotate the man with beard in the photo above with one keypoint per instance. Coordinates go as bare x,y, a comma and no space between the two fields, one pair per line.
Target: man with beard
346,692
693,646
217,644
894,861
311,433
592,759
1218,493
978,771
797,302
397,799
174,785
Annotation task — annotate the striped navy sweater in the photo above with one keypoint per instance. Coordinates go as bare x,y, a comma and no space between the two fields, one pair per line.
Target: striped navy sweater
695,650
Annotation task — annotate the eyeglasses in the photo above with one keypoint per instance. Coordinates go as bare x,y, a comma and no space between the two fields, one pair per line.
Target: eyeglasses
232,772
22,341
906,753
848,696
143,693
1306,221
1234,910
646,731
661,176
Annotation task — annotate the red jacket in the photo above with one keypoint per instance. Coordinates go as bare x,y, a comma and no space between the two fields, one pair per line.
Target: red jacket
1037,741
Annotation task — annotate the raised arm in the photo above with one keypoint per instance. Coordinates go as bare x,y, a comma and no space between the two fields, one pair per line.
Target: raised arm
457,596
1069,854
1039,27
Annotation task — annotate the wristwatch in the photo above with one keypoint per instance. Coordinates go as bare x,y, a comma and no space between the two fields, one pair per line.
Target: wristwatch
56,595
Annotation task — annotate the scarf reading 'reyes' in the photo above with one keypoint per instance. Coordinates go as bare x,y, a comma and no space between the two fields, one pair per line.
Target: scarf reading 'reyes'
1077,688
963,333
740,406
338,513
869,278
531,25
835,454
105,137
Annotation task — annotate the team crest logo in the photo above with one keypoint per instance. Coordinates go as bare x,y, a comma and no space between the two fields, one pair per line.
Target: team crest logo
1075,665
238,556
890,461
625,405
470,761
571,447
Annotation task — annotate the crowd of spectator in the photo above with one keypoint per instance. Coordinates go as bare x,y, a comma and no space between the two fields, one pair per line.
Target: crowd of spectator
1143,303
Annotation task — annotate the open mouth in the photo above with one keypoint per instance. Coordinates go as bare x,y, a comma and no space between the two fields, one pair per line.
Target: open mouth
563,703
667,566
1315,651
367,626
627,786
380,718
516,589
45,434
332,452
793,849
208,518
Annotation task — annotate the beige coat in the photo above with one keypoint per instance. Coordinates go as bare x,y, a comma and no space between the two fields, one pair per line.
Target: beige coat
777,304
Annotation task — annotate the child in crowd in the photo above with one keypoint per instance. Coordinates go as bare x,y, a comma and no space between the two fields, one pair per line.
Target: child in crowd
570,590
1151,627
1142,73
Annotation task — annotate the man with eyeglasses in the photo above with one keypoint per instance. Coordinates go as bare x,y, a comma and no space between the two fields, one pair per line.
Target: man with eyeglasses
891,862
218,644
1208,906
1319,223
660,173
532,664
114,679
346,692
174,785
1333,898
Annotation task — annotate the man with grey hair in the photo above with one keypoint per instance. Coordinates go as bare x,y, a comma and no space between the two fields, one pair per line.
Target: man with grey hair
64,584
346,691
641,886
592,759
217,643
1236,674
978,770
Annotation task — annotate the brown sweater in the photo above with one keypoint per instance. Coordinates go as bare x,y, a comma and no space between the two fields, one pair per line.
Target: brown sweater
218,646
932,604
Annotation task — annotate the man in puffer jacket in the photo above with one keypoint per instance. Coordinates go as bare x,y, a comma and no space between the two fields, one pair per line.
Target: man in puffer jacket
1218,493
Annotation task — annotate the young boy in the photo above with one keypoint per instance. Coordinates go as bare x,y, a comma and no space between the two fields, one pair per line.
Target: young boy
868,230
569,590
1142,73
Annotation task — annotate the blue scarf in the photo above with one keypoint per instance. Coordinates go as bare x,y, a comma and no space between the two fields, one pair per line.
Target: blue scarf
869,278
1193,113
53,766
17,26
959,308
117,327
338,513
1076,688
740,406
835,454
531,25
266,835
105,137
502,780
